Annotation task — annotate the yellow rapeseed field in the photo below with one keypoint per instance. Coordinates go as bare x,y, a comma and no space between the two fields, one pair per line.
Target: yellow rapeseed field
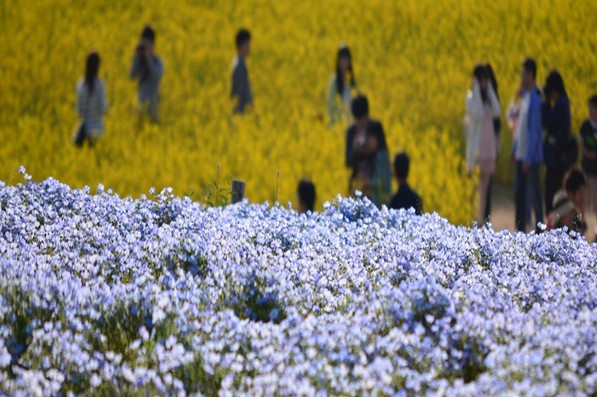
413,58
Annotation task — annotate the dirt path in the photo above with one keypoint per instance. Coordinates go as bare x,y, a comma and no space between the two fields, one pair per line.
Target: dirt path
503,210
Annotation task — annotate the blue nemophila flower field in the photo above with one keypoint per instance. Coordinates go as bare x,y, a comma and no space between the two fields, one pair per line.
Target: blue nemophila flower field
160,295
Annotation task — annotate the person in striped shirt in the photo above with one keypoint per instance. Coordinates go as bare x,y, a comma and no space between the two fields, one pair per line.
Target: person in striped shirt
91,99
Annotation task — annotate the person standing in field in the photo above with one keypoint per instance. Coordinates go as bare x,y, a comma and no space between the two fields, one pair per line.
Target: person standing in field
341,87
528,149
306,195
367,154
405,197
482,107
241,87
497,126
557,121
148,69
91,102
588,136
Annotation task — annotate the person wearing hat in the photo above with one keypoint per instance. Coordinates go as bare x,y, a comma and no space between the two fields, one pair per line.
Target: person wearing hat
568,204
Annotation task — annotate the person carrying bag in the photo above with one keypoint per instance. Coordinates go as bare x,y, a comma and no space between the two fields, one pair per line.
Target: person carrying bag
91,103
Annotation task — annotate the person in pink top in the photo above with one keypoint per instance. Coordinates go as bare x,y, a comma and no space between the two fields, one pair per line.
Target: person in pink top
482,107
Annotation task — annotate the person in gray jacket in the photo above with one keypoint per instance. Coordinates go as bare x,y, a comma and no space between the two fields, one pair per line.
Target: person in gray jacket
241,88
148,69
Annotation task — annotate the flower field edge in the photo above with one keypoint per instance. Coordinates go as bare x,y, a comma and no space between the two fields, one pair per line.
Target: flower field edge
107,295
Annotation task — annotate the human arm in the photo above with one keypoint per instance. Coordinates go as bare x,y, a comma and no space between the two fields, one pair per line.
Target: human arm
474,104
79,103
349,143
135,71
494,103
586,133
557,120
101,90
155,68
332,104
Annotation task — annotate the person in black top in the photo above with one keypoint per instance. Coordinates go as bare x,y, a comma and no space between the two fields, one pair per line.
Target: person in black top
405,197
306,196
497,126
588,136
367,154
556,120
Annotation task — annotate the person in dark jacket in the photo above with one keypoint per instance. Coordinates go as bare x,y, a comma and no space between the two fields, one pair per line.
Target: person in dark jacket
367,154
556,121
241,87
148,69
497,127
306,195
405,197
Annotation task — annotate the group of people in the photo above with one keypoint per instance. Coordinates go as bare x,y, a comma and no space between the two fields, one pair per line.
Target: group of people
146,67
541,124
367,155
540,121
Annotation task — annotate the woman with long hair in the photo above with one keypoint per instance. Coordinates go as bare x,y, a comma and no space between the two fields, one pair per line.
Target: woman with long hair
557,121
497,126
91,101
341,87
482,107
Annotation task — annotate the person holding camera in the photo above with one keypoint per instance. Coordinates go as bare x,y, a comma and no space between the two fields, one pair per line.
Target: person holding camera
560,151
148,69
367,154
482,107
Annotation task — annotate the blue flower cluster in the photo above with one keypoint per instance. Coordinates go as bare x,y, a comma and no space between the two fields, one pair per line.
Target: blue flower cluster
161,295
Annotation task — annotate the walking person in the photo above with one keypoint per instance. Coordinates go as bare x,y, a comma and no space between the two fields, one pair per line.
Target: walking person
482,107
367,154
241,87
588,136
556,119
341,87
528,149
148,69
91,102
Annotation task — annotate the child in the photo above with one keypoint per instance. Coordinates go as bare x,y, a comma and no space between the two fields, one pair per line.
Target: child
569,204
588,135
405,197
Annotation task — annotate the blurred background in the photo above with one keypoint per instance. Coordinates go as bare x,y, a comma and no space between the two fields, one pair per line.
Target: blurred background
412,58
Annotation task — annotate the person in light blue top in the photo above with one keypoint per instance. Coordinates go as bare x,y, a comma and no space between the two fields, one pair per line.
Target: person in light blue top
528,149
148,69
